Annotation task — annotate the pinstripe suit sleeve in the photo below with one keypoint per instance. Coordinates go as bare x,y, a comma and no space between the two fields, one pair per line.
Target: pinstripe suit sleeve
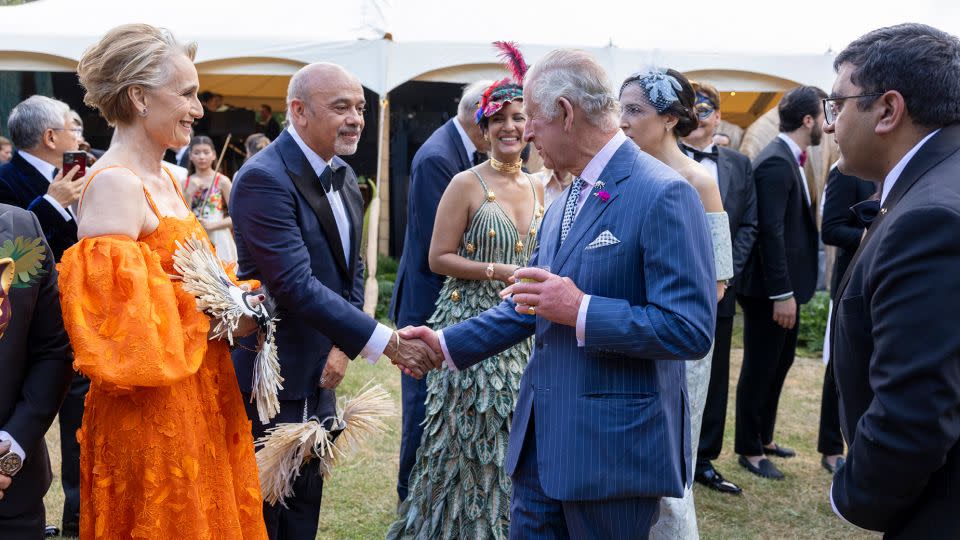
677,321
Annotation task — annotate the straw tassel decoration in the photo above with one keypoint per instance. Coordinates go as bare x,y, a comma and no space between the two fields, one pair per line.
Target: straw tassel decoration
285,448
203,276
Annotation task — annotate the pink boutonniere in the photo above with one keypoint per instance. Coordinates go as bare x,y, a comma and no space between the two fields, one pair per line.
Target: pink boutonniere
602,194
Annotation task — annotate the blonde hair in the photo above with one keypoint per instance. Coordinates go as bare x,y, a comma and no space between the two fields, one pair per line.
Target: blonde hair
128,55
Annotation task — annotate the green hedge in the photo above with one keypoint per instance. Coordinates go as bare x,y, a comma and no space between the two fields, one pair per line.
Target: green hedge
813,322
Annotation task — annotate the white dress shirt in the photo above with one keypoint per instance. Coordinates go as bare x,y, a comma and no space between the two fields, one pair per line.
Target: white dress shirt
47,171
897,169
797,151
465,139
589,176
381,334
708,163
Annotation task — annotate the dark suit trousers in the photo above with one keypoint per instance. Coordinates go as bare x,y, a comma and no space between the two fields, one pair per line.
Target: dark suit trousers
768,352
70,418
830,439
536,516
26,526
715,409
301,517
414,394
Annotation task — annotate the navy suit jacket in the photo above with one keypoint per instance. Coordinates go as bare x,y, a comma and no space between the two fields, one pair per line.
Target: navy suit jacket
785,256
896,356
287,238
612,418
22,185
739,194
435,163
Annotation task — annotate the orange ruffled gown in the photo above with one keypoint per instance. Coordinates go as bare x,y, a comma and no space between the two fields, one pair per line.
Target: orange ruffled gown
166,449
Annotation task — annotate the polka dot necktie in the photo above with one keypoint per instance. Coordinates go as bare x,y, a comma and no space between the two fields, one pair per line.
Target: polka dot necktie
570,210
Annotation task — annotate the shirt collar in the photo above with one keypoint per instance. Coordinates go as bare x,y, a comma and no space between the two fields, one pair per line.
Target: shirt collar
467,143
794,147
45,169
897,170
591,173
317,162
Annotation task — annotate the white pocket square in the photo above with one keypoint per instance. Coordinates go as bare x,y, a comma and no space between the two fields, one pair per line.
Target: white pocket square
606,238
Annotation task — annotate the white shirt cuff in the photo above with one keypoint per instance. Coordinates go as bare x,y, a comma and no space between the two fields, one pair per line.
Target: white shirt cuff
377,343
14,447
447,360
783,296
63,211
582,321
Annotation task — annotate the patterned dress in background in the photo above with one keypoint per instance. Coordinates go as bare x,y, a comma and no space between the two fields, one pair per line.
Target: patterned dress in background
458,487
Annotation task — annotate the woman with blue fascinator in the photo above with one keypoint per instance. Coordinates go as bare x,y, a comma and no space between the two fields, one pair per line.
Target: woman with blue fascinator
657,109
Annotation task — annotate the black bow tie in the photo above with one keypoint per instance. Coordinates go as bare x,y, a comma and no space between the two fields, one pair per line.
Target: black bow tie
699,154
479,157
866,212
334,178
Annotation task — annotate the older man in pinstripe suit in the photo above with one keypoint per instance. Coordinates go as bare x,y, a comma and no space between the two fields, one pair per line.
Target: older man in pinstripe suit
601,429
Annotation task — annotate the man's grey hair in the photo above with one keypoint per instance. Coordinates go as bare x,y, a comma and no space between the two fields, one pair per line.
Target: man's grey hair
470,99
32,117
75,116
578,77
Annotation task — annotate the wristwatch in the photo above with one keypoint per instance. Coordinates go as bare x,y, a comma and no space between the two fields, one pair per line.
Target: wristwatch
10,463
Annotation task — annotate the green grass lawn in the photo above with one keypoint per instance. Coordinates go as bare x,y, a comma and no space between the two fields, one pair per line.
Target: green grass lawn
360,500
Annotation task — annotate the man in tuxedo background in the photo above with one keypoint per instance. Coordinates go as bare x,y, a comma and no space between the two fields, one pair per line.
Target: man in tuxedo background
454,147
734,174
298,216
42,130
600,430
895,111
35,361
780,275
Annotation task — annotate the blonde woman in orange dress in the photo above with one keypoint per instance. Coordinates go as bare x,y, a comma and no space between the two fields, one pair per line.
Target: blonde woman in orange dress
166,450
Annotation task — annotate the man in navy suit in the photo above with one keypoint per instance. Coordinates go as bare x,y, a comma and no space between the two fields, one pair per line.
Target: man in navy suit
297,214
454,147
779,277
895,111
43,129
600,431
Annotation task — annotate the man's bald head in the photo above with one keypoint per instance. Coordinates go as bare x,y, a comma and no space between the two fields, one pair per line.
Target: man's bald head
325,105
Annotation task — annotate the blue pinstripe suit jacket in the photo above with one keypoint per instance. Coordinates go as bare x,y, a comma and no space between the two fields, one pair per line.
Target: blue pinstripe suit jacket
611,417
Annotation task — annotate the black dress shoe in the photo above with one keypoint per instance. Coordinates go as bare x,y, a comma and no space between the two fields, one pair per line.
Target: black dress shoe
765,469
711,478
832,470
71,529
779,451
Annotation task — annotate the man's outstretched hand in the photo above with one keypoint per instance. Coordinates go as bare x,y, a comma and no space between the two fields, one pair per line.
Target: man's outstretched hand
413,354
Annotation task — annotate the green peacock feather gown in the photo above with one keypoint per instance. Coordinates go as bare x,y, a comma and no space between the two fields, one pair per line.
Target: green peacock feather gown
458,487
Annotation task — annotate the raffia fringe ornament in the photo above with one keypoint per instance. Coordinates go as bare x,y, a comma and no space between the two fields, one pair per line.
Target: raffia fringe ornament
203,276
286,447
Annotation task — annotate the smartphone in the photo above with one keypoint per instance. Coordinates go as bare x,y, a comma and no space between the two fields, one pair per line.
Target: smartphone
71,160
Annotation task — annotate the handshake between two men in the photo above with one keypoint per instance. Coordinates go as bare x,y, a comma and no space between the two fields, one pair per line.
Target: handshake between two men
534,291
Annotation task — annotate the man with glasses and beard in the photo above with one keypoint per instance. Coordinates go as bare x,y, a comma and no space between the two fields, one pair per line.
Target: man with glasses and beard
780,276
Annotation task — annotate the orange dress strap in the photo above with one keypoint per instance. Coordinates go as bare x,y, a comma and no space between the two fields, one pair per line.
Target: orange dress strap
146,193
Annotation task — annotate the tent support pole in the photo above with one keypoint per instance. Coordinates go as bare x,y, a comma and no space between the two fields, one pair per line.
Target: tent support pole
379,217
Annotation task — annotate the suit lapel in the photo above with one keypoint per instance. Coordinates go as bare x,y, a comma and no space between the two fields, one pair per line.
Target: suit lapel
353,202
724,172
35,181
798,181
615,172
308,184
465,161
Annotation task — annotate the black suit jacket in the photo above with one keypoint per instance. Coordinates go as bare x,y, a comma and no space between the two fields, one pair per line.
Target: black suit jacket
784,258
287,238
35,366
22,185
739,195
840,227
416,290
896,356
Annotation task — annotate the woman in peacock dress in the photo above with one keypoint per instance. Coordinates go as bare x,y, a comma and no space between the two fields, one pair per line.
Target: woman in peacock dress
486,227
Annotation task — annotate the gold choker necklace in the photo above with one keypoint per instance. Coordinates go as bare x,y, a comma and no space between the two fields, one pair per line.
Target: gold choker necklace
505,167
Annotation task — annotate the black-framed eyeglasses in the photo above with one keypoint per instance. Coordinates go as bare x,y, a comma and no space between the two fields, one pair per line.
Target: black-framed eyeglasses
833,106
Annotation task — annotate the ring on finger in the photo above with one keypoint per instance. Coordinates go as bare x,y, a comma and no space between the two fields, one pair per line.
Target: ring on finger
532,310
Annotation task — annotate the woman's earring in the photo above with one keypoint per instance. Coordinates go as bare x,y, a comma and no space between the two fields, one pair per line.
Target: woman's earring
143,111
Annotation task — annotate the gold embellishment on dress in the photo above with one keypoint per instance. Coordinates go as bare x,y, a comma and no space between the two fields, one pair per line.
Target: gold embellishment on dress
471,248
491,197
539,211
505,167
518,247
533,232
455,297
492,233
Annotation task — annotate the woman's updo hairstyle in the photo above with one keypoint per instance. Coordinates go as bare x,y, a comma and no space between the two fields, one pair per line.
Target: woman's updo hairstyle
128,55
670,92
